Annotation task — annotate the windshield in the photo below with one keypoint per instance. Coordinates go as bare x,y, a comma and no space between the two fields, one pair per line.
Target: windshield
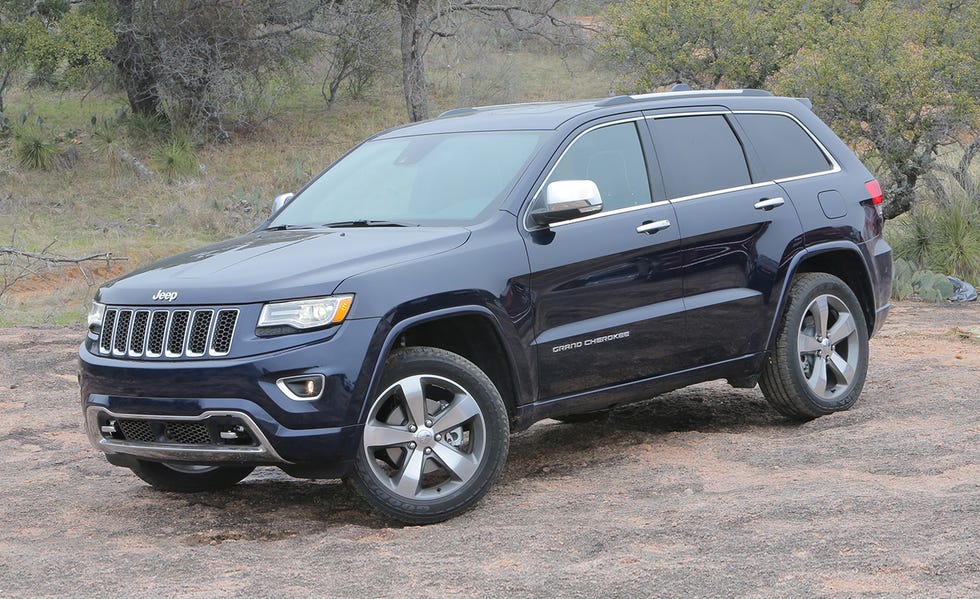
444,179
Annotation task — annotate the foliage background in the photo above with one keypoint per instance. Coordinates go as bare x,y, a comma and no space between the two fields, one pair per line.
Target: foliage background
275,96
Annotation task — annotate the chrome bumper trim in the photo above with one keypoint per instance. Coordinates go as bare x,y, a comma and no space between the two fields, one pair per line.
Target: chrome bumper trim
172,452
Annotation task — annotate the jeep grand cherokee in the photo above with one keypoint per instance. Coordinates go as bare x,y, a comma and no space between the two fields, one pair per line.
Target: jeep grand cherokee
449,282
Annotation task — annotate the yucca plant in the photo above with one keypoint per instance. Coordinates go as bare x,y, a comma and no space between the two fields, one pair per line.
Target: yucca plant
176,158
34,147
143,126
955,248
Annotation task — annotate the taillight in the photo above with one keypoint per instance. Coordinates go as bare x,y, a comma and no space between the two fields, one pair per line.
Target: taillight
874,189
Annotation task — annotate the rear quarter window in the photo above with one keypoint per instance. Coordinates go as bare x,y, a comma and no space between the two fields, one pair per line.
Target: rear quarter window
786,150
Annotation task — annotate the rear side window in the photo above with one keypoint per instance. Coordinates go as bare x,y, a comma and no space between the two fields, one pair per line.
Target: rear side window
698,154
784,147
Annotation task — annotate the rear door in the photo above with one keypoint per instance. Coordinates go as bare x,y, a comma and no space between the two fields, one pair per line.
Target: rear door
607,287
737,229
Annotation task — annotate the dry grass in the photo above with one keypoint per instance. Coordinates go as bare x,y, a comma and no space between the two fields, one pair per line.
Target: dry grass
100,206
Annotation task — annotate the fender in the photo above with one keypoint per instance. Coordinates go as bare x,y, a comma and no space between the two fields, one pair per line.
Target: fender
793,266
398,328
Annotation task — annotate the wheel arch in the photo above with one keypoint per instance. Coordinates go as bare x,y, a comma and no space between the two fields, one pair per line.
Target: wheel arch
843,260
472,332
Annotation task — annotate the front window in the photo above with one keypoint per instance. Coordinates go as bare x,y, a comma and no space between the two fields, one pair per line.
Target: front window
443,179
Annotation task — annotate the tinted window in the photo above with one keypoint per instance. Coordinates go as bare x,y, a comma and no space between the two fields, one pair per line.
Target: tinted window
698,154
613,159
785,148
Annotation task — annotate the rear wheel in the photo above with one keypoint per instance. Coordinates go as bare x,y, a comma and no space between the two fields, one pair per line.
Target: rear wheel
189,478
435,439
820,359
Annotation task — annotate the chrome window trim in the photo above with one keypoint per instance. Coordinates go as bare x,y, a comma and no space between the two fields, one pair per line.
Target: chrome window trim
836,168
705,194
537,192
610,213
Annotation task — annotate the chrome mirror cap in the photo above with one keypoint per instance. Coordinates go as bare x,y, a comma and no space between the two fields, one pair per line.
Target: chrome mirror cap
565,200
281,200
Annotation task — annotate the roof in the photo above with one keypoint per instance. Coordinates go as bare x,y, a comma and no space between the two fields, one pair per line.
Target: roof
551,115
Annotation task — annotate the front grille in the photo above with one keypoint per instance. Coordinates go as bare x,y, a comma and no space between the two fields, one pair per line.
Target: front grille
177,333
223,431
161,431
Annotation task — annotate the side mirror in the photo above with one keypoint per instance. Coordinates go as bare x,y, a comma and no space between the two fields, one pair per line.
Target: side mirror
281,200
565,200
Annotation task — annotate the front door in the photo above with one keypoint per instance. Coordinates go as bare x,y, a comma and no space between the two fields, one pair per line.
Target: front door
607,287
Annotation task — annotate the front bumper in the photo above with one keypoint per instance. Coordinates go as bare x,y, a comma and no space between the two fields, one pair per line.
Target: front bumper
214,397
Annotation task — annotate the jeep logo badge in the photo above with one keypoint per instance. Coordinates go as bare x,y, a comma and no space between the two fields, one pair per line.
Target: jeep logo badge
164,296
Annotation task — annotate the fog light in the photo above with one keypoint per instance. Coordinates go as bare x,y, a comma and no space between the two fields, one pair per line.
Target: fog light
306,387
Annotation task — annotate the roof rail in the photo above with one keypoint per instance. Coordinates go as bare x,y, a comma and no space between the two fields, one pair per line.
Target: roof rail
458,112
681,90
615,100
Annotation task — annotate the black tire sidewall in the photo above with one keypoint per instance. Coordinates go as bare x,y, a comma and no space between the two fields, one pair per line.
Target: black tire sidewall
424,360
804,295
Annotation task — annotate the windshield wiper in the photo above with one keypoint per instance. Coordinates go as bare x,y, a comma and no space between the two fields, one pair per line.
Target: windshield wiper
288,227
368,223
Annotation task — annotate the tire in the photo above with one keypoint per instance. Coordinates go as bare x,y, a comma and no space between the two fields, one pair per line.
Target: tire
435,438
189,478
819,361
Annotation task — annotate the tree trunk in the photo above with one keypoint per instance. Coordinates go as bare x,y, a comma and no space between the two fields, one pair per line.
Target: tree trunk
132,64
3,87
899,200
413,65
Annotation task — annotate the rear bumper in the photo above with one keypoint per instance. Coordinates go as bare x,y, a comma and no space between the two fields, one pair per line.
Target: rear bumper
881,264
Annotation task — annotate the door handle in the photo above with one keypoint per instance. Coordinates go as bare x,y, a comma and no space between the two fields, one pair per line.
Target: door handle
652,227
769,204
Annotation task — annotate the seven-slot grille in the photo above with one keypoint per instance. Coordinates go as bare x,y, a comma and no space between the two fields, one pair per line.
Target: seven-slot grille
174,333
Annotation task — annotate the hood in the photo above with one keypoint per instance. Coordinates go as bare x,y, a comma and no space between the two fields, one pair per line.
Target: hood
276,265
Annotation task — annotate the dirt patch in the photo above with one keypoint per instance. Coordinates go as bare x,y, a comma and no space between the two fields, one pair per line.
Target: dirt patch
705,491
45,282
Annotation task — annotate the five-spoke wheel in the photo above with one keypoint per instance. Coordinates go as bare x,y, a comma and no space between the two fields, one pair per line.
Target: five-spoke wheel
435,437
819,361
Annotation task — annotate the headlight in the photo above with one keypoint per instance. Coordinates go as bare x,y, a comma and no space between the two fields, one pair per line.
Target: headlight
95,317
303,314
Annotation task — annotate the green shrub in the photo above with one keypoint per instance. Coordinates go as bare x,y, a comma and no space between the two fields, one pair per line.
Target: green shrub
147,126
940,237
176,158
35,147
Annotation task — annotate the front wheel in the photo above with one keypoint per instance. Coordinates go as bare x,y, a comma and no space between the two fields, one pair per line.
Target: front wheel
435,439
820,359
189,478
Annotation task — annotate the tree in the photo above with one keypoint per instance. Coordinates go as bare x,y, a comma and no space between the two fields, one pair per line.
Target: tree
359,41
899,83
738,43
421,21
207,64
56,43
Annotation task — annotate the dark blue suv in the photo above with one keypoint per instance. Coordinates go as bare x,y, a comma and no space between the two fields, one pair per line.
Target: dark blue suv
449,282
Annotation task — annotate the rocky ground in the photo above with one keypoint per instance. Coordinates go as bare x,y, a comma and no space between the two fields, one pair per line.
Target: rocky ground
705,491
